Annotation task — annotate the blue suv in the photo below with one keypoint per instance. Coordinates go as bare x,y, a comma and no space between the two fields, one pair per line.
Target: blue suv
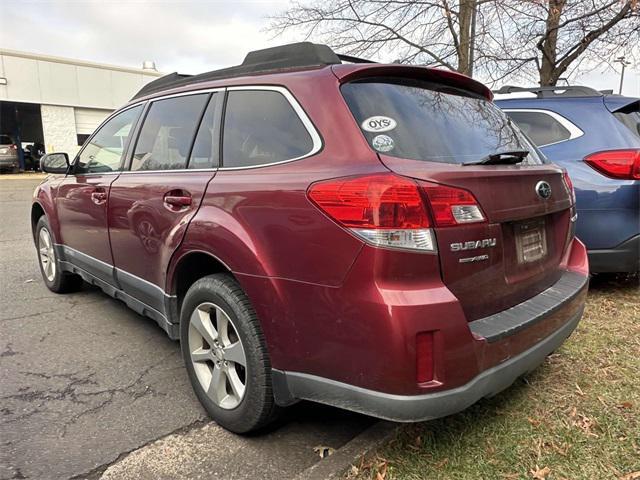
596,137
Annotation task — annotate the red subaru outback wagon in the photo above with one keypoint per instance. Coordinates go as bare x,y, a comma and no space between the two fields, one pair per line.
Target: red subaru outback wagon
381,238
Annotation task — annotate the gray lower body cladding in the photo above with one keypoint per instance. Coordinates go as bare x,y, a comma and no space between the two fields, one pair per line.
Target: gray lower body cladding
414,408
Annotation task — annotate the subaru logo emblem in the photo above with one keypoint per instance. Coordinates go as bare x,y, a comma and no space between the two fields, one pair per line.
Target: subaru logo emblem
543,189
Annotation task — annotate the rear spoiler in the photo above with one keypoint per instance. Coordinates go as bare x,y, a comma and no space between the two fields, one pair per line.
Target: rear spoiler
618,103
348,73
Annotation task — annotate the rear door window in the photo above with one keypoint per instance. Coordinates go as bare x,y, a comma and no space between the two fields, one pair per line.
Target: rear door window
421,120
167,133
630,117
541,127
206,145
261,127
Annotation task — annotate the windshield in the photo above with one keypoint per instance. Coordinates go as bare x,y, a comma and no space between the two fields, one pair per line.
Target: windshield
421,120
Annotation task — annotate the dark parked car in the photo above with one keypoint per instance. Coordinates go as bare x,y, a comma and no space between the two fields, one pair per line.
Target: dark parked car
375,237
596,137
33,152
8,154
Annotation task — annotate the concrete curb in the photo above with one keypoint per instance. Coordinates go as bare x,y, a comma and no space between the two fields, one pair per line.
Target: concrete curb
334,466
23,176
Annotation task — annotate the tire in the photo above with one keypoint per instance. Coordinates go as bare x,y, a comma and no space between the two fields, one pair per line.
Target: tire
213,355
54,278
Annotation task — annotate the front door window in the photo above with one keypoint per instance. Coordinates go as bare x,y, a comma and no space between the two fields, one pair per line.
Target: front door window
104,151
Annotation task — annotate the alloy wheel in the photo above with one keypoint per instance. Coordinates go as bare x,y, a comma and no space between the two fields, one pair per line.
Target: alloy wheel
218,356
47,254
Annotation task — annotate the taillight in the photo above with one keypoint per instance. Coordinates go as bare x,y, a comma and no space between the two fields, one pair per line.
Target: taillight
622,164
569,184
13,146
384,210
390,210
452,206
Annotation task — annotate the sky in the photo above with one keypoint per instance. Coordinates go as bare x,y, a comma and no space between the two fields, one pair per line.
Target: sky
188,36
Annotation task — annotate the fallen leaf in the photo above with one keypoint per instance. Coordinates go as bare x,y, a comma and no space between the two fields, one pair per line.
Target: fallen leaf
585,424
382,471
626,405
561,449
630,476
324,451
540,473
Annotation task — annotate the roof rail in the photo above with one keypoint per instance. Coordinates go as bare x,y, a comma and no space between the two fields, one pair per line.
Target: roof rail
295,55
552,92
162,83
352,59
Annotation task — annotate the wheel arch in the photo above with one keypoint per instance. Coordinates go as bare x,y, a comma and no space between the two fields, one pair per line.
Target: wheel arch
187,268
36,212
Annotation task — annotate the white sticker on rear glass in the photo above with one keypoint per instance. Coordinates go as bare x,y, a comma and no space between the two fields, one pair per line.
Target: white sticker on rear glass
383,143
379,123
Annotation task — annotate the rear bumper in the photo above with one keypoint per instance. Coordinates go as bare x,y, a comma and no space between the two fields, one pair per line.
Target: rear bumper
9,162
625,258
414,408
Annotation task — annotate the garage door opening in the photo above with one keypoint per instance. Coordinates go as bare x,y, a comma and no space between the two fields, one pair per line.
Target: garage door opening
23,123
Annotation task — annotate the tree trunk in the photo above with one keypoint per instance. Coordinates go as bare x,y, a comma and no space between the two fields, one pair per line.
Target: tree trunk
467,8
549,74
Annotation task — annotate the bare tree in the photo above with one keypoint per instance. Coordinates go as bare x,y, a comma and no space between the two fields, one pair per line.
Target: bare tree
525,39
550,39
430,32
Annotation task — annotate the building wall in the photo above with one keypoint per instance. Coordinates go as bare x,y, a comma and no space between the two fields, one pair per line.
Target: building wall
51,80
59,128
75,95
88,119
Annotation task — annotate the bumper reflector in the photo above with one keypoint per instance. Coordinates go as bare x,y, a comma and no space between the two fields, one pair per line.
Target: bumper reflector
424,357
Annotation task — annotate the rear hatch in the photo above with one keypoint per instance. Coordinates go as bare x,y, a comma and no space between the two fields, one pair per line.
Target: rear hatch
436,133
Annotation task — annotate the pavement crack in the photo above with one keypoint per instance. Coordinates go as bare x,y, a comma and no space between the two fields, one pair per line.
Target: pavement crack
41,398
67,309
9,352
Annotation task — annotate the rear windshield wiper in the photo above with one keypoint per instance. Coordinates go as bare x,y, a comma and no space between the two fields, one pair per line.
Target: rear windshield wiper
511,157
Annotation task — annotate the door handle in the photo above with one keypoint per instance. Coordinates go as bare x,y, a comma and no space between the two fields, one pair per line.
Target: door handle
98,196
177,200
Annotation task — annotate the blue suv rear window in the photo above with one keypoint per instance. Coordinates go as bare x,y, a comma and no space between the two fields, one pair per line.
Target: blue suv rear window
421,120
630,117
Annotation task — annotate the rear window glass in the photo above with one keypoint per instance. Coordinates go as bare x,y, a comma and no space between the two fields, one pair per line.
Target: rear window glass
426,121
5,140
630,117
540,127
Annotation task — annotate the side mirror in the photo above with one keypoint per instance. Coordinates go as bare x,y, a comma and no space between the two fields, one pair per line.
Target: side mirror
55,163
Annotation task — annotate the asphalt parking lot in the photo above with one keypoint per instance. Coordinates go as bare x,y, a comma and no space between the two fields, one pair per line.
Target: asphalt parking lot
84,381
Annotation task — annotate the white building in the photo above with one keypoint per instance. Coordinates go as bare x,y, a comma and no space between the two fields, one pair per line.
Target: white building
59,101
